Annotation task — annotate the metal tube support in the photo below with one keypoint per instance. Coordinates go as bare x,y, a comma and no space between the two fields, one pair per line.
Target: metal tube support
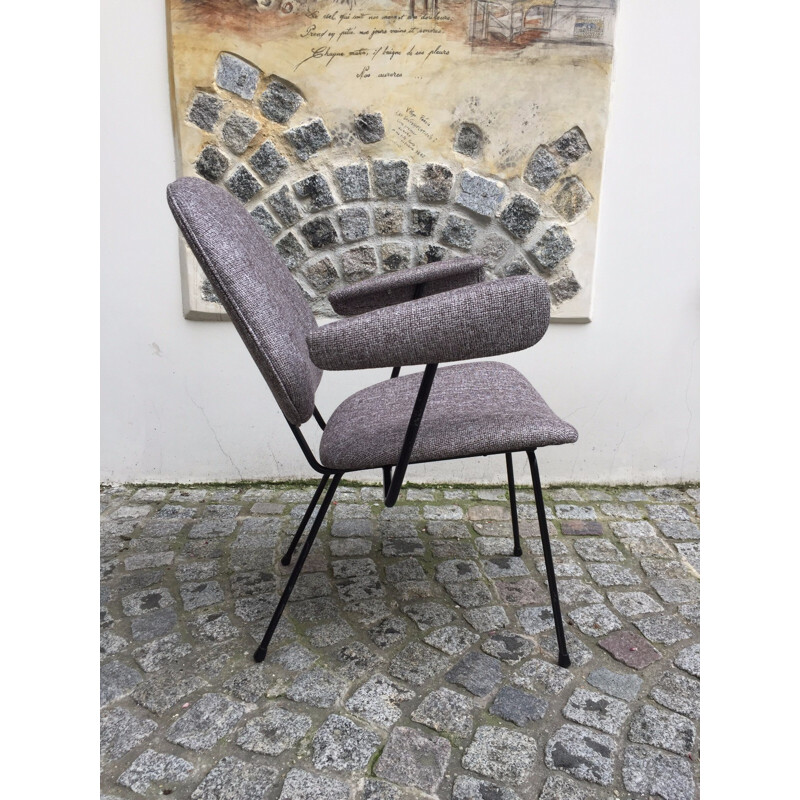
287,558
563,655
261,652
512,494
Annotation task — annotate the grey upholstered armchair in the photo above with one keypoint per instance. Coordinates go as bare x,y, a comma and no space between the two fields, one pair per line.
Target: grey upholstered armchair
441,312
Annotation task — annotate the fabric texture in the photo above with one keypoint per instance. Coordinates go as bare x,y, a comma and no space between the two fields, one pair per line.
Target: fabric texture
398,287
254,285
487,319
474,409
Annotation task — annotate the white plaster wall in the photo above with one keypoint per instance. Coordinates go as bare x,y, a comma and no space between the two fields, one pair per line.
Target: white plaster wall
181,401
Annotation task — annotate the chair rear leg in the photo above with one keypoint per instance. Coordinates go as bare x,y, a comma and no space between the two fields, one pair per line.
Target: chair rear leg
512,493
261,652
287,558
563,655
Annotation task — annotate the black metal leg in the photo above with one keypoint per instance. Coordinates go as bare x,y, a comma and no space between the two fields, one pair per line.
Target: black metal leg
287,559
261,652
563,656
512,494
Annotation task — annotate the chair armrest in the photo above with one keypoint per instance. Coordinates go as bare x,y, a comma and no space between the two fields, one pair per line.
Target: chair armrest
486,319
398,287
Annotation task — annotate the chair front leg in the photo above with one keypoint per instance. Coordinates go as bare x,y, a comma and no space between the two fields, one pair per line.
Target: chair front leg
563,655
512,494
287,558
261,652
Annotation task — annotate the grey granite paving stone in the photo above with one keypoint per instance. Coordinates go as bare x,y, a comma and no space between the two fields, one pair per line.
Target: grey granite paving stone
679,693
354,568
396,547
234,779
318,609
311,585
597,711
577,592
293,657
630,648
203,593
656,774
412,758
505,567
378,701
477,673
342,746
117,680
207,721
440,513
407,570
518,706
446,711
597,550
622,511
563,568
317,687
500,754
469,594
213,627
691,552
212,528
485,619
634,604
579,653
581,528
446,529
151,767
345,528
535,619
452,640
121,731
196,570
350,547
668,513
689,660
416,663
633,530
664,568
674,590
149,560
357,659
250,685
494,546
146,601
559,787
154,625
160,692
583,753
650,548
130,512
508,647
450,548
429,615
595,620
110,643
663,729
388,631
625,687
332,633
303,785
522,592
540,676
466,787
575,512
612,575
380,790
457,570
156,654
663,628
679,529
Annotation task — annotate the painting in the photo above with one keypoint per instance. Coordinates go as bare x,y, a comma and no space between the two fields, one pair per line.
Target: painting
368,136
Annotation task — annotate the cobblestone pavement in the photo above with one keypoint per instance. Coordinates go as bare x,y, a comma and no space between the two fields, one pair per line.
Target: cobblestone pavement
417,656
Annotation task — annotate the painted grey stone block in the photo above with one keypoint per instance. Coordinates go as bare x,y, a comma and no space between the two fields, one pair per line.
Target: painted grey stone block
268,163
564,289
204,111
316,190
414,759
265,221
572,199
354,224
284,207
238,131
308,139
321,274
543,169
236,75
468,140
435,183
479,194
584,753
459,232
353,181
572,145
369,128
520,216
292,252
211,163
501,754
390,178
242,184
359,263
552,248
319,232
279,102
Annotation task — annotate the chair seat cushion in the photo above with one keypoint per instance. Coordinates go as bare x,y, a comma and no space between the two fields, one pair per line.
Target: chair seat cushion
474,409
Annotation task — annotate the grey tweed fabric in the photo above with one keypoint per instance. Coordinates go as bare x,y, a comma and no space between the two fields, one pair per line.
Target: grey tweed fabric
474,409
398,287
487,319
251,280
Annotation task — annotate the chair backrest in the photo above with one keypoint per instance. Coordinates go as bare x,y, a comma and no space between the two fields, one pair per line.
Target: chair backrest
255,286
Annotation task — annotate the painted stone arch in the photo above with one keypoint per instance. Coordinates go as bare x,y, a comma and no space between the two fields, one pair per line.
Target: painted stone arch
338,212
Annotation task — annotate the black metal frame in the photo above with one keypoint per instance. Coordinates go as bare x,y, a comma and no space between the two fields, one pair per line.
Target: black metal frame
392,483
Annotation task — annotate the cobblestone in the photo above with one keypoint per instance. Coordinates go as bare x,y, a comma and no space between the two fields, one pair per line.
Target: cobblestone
210,718
650,772
597,711
582,752
500,754
273,732
663,729
233,778
414,759
341,745
378,701
446,711
517,706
